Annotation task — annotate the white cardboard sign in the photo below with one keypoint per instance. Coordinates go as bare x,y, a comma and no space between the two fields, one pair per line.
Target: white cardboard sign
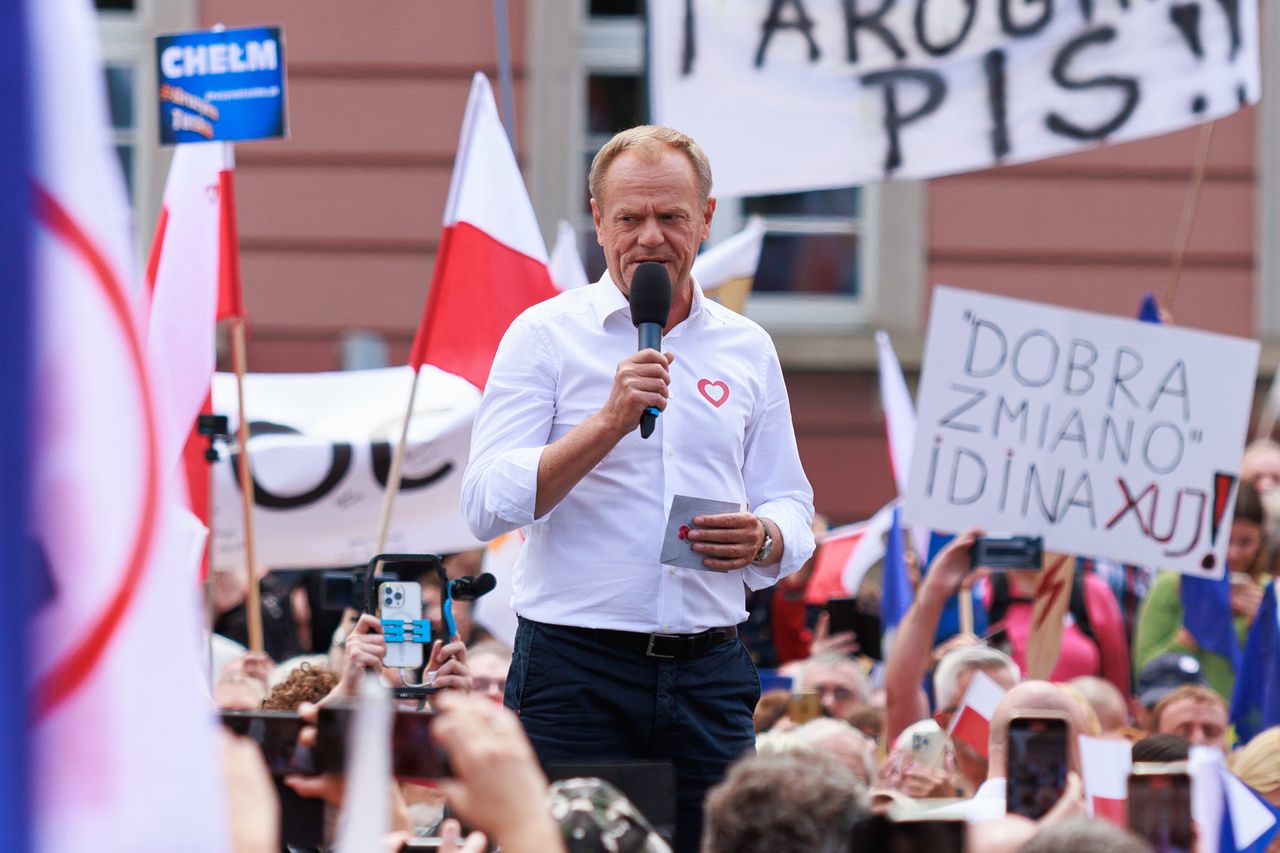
787,95
1107,436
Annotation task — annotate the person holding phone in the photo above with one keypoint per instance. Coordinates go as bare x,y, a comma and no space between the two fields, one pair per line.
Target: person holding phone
618,654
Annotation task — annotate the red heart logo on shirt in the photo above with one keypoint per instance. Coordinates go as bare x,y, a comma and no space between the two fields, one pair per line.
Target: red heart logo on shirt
717,400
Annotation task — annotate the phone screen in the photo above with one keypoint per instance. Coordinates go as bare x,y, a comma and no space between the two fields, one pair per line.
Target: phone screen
884,835
846,614
275,733
1037,772
805,705
1160,810
414,753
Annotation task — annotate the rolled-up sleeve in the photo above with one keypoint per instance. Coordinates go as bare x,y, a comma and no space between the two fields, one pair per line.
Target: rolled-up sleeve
512,427
776,484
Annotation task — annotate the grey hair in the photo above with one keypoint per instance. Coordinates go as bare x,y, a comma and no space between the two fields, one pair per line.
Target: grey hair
955,663
788,801
650,141
835,660
1082,835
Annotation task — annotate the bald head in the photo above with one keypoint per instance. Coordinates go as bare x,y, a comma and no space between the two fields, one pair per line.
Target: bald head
1106,701
1032,696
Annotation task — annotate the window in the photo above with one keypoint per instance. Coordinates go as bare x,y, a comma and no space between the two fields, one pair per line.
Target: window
127,29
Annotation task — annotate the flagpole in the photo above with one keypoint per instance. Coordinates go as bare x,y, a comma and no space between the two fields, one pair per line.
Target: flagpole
1189,207
393,478
504,70
252,603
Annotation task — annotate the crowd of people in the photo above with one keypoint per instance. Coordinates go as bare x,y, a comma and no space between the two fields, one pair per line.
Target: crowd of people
809,784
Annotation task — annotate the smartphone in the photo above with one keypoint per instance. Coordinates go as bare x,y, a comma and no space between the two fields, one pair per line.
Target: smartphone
805,705
885,835
415,754
1003,552
1037,772
1160,806
926,748
276,734
845,614
400,602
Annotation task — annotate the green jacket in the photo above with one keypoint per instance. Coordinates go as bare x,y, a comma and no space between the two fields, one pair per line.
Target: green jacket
1159,619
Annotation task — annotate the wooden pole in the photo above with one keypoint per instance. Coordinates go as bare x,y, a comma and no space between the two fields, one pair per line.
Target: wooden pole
252,602
964,598
394,476
1190,205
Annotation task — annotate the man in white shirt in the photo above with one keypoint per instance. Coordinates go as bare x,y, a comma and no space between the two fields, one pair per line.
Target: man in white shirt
619,657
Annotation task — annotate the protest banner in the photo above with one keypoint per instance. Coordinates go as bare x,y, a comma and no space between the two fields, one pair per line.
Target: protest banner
1107,436
321,452
786,95
221,85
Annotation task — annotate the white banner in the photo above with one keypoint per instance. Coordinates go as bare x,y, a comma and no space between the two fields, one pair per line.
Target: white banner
787,95
321,453
1109,437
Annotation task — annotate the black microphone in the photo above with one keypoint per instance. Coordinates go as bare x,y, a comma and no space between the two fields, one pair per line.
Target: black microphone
650,305
471,588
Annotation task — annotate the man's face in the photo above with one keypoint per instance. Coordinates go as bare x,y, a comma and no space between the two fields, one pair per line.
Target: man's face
489,676
839,689
1199,722
650,210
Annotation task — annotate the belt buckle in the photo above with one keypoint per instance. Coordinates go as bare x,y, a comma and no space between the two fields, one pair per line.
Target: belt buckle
649,652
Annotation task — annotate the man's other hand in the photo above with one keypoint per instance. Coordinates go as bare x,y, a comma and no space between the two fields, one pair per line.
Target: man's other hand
640,382
729,540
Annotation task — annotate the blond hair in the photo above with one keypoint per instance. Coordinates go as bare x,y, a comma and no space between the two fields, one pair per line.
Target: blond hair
649,141
1197,692
1258,762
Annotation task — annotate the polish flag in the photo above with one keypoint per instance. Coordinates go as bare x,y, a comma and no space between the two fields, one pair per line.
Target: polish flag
971,724
899,426
1105,764
492,262
119,710
193,279
845,556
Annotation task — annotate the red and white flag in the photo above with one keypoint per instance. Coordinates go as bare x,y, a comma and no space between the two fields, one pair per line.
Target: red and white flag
899,427
120,713
845,556
971,724
492,262
1105,765
193,280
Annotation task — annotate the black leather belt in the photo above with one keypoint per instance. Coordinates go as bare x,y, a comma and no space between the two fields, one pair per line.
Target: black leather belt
664,646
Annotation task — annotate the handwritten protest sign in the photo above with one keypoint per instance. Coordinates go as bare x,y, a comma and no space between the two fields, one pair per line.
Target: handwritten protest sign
1109,437
321,458
805,94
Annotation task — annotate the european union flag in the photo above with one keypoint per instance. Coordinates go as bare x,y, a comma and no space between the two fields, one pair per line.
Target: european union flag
1256,703
896,597
1206,613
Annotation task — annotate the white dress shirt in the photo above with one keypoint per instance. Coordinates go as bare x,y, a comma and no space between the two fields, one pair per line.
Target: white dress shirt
593,560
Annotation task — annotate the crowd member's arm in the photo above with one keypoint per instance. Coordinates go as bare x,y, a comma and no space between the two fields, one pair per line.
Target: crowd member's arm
1159,626
252,806
498,786
1108,627
777,489
905,669
449,663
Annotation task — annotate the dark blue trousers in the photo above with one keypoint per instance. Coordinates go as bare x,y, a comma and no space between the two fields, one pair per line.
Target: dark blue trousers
584,701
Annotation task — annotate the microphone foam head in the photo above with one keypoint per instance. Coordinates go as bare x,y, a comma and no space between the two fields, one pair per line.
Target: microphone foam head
650,294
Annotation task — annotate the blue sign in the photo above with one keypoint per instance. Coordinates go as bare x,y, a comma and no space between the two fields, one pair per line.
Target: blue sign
221,85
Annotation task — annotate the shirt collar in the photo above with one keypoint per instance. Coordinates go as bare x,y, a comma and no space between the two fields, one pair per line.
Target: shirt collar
608,300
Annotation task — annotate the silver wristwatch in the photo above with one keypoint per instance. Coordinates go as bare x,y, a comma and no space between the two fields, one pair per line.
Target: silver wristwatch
766,547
